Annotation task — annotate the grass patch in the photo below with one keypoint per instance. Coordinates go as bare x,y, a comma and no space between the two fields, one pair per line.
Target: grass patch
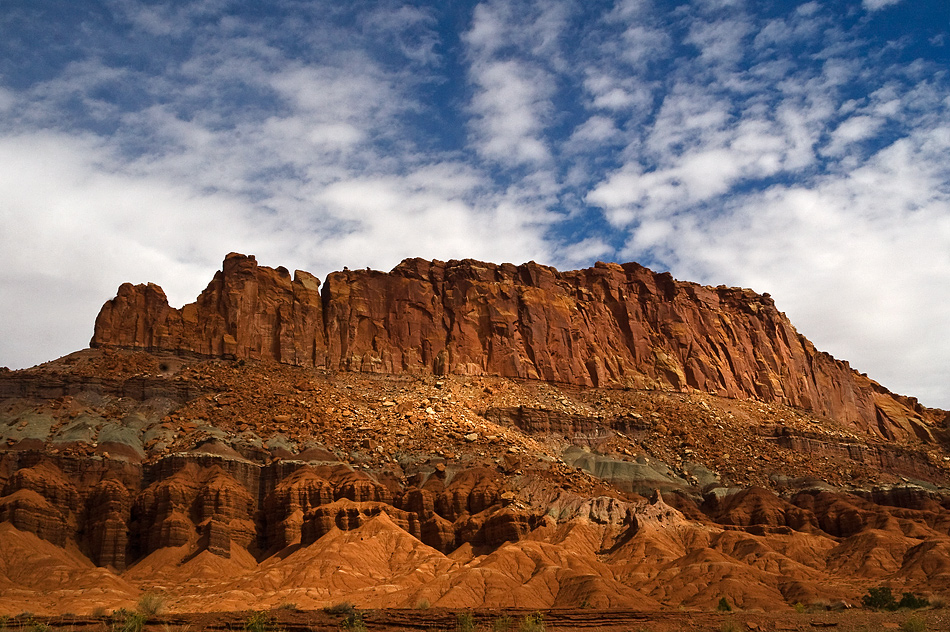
127,621
502,623
261,622
151,604
532,623
353,623
914,624
464,622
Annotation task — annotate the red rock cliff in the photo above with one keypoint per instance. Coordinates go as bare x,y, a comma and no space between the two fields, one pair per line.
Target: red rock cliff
607,325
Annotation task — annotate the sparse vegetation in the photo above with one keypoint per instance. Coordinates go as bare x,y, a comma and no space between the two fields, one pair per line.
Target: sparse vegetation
39,626
465,622
353,622
723,605
287,605
261,622
422,604
730,626
100,612
151,604
352,618
914,624
799,607
502,623
881,598
127,621
532,623
912,602
342,608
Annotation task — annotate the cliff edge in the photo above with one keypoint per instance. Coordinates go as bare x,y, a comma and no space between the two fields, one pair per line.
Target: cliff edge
607,326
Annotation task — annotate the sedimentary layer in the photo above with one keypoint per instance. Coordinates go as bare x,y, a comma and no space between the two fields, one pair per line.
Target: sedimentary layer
607,326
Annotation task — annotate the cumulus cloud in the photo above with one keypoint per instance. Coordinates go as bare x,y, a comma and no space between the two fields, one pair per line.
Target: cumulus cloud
876,5
512,48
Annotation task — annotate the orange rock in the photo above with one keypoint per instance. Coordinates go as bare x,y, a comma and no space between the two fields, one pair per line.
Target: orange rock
607,325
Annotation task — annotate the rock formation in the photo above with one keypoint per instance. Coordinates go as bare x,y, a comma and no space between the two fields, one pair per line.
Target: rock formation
665,445
610,325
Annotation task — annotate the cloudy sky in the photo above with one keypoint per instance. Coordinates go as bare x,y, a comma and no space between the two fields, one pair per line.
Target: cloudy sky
800,149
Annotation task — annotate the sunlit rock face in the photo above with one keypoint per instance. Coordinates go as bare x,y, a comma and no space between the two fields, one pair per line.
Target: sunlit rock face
606,326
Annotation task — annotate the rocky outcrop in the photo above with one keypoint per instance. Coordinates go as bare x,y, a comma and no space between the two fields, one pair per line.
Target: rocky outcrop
620,325
195,504
206,503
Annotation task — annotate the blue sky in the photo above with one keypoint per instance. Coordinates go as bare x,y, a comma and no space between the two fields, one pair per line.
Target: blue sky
800,149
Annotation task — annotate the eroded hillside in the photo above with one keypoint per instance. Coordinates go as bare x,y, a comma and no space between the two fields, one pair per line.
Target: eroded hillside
197,453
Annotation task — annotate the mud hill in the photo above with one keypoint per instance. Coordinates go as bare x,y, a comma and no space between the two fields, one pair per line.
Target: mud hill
463,435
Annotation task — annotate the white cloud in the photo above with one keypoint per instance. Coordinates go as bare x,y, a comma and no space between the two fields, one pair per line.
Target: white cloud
720,42
597,130
876,5
410,29
850,131
512,50
510,107
642,44
582,253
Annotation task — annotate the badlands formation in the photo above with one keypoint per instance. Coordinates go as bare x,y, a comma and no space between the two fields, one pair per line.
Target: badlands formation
462,435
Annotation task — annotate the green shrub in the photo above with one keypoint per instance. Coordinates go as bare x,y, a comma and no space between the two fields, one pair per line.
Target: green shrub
914,624
723,605
464,622
912,602
879,598
38,626
799,607
423,604
502,624
532,623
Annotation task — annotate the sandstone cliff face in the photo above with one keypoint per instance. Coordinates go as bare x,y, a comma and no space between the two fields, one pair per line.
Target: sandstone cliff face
610,325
